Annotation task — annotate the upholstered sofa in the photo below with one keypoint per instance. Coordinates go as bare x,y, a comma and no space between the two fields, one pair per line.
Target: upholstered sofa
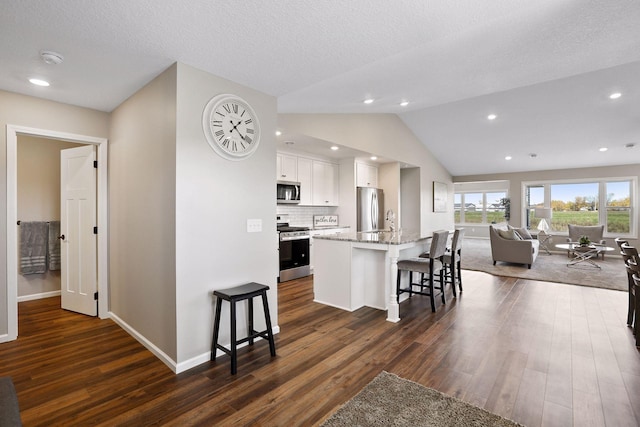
9,410
511,247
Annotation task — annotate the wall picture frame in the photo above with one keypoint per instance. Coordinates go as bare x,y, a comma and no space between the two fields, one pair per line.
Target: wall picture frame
439,196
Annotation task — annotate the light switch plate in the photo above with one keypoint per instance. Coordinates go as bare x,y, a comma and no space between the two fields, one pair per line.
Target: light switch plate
254,225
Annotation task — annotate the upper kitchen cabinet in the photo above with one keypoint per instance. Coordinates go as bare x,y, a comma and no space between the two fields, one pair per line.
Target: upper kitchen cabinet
305,178
366,175
287,167
326,180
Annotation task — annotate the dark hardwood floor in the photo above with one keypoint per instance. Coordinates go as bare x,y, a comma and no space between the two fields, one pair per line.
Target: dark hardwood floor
542,354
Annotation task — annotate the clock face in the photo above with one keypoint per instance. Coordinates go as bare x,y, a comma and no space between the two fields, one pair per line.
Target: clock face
231,127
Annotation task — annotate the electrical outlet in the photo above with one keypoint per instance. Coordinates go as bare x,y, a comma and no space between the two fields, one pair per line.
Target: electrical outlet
254,225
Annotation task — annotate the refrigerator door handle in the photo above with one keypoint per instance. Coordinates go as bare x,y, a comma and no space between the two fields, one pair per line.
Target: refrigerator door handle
374,211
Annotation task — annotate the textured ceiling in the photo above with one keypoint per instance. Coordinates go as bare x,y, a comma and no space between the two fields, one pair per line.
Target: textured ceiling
544,67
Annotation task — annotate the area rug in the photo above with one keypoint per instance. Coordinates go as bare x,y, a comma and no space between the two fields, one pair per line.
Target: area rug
389,400
476,255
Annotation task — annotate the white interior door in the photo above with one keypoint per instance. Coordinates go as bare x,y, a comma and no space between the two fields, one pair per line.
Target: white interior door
78,245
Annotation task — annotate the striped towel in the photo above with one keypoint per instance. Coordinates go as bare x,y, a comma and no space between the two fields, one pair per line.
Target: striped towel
33,247
54,246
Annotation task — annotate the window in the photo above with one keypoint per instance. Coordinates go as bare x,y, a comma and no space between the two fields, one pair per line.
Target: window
534,198
618,207
473,208
593,202
479,207
574,204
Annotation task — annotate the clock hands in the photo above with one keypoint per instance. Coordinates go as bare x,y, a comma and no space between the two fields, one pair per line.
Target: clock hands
235,127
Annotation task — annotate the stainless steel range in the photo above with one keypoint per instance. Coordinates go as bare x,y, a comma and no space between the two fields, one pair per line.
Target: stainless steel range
294,251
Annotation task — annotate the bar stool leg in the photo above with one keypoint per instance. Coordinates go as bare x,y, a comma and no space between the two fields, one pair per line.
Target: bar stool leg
250,326
267,315
216,328
234,351
452,270
459,275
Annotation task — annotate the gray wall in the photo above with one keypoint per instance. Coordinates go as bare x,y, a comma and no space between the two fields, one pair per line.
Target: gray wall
32,112
142,177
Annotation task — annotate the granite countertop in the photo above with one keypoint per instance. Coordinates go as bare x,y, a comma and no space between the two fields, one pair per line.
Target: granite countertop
383,237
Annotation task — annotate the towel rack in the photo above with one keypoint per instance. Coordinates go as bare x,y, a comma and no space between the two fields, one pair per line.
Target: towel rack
48,222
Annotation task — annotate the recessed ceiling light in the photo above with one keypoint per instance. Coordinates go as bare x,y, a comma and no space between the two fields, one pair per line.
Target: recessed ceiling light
335,147
39,82
615,95
278,133
492,117
373,158
404,103
508,157
603,149
368,101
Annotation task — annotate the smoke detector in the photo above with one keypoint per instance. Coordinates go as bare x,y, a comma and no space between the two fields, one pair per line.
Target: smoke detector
50,57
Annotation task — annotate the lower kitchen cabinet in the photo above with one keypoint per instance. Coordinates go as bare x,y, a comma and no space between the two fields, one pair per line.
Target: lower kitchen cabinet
320,232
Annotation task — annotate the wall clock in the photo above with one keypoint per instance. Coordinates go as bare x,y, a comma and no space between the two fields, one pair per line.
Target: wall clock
231,127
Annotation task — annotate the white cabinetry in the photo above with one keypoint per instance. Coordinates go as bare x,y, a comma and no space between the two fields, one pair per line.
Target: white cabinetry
366,175
319,180
326,180
305,178
287,167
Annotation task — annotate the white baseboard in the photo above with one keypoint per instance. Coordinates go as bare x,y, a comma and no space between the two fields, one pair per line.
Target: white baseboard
39,296
203,358
145,342
175,367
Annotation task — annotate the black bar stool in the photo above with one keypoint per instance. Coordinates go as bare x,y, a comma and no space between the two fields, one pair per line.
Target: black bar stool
239,293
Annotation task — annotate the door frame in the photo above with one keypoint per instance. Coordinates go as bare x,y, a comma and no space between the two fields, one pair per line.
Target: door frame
12,212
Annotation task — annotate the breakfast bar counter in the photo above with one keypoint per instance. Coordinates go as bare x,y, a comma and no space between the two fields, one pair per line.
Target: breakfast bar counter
353,270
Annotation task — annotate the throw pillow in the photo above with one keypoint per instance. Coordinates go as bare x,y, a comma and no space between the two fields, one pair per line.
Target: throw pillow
509,235
522,232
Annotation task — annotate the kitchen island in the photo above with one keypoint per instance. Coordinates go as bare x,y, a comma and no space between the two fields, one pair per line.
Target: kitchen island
353,270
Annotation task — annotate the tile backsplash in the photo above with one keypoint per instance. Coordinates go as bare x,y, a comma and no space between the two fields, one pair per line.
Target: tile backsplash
302,216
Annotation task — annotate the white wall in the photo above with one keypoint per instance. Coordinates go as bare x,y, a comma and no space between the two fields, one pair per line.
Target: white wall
214,199
410,198
386,136
37,113
39,199
389,182
142,177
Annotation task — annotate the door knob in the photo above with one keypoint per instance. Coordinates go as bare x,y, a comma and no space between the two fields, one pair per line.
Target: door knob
61,237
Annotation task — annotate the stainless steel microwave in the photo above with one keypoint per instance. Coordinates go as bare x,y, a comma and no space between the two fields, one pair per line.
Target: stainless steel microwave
288,192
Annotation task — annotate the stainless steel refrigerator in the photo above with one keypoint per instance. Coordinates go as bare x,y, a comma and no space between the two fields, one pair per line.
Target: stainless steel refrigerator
370,209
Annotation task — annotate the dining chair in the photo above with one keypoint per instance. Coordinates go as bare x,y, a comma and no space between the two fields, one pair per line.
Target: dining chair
631,261
619,241
636,293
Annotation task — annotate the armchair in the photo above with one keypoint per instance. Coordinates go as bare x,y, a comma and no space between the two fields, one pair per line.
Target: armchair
517,250
593,232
